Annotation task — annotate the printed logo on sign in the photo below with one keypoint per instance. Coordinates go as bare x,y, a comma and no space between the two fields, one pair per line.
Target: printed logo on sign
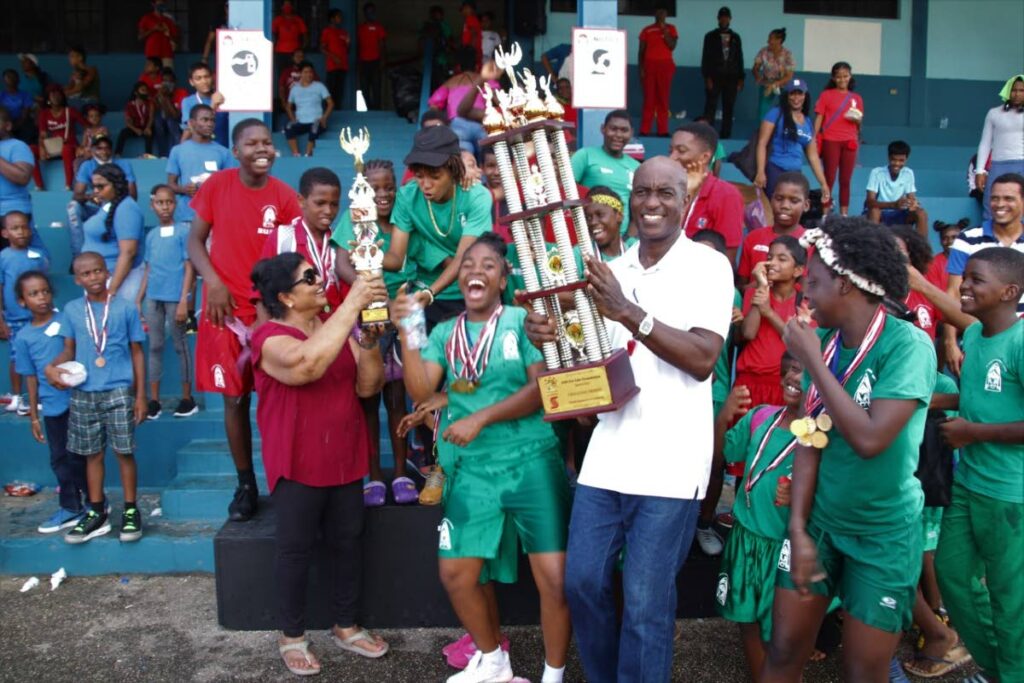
510,346
723,589
994,377
784,556
862,396
269,219
218,377
888,602
444,540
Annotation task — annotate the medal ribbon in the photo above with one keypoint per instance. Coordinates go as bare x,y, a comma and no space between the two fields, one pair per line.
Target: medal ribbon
99,337
474,361
754,478
323,258
813,405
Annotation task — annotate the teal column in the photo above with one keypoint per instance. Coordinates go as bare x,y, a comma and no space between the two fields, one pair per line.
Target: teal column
250,14
594,14
918,94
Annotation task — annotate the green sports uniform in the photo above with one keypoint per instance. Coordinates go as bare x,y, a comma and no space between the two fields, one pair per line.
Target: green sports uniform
594,166
866,514
512,474
468,214
980,559
746,579
723,366
627,242
342,233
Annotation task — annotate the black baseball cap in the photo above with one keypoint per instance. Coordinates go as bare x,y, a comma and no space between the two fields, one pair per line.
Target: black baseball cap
725,12
433,147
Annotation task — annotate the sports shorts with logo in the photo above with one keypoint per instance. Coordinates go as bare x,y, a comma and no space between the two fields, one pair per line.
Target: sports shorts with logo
746,580
218,350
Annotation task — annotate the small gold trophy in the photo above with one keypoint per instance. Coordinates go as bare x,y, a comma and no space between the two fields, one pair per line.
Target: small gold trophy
365,250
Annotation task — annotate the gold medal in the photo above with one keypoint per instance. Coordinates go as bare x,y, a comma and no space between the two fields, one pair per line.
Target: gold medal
824,422
811,425
100,361
463,386
819,440
798,428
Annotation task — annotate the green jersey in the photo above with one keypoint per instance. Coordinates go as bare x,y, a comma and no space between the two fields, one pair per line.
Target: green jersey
992,392
944,384
342,233
627,242
505,374
593,166
857,495
761,515
723,366
439,227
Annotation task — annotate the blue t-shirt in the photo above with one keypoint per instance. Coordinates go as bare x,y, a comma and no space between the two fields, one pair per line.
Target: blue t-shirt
34,348
557,56
89,166
14,197
308,100
128,225
166,255
788,154
221,134
123,327
194,162
14,262
15,102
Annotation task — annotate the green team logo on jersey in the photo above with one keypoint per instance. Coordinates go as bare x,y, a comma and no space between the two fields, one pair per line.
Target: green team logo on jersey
862,396
444,540
994,377
510,346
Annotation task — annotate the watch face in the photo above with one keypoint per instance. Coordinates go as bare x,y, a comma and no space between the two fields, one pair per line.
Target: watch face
646,325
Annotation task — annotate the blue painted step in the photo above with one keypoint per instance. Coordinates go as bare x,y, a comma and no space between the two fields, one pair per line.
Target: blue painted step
202,497
211,456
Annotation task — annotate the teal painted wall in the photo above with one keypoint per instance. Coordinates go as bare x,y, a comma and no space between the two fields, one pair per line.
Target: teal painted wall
977,40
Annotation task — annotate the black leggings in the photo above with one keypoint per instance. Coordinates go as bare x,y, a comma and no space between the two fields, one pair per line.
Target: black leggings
302,511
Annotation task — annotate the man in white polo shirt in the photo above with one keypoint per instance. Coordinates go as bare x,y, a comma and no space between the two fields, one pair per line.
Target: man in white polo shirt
669,300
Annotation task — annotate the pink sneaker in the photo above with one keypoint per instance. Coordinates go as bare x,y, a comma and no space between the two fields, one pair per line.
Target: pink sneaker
459,653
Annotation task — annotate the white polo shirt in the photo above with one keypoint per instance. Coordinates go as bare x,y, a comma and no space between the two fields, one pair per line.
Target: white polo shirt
660,443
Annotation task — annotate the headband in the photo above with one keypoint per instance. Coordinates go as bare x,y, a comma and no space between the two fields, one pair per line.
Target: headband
607,200
822,244
1004,94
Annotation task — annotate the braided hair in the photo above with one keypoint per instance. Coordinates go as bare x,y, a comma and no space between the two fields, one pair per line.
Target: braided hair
378,165
864,249
116,177
453,164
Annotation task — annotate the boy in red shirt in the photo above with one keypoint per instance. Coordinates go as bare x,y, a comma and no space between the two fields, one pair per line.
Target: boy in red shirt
159,34
656,70
472,32
334,42
289,33
238,208
370,42
789,201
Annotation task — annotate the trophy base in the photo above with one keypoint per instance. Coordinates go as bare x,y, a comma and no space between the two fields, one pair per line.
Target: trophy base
588,389
374,316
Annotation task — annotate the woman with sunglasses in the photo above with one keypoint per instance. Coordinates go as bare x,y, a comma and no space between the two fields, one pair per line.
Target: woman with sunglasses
115,230
310,376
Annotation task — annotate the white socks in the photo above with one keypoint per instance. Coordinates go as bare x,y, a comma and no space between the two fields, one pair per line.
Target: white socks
551,674
495,658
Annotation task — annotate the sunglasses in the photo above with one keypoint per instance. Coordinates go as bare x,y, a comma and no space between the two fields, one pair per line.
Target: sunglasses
309,276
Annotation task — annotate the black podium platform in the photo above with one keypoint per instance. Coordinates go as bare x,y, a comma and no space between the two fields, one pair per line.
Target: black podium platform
401,588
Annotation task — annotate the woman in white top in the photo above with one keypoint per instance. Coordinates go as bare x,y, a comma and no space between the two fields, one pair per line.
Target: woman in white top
1003,138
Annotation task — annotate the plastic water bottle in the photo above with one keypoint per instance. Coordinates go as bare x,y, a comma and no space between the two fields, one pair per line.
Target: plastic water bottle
944,122
415,326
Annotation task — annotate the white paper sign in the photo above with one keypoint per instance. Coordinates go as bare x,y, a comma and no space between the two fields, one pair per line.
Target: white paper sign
598,68
245,70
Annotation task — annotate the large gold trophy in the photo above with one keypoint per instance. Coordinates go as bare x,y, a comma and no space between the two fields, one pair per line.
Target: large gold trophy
584,376
365,250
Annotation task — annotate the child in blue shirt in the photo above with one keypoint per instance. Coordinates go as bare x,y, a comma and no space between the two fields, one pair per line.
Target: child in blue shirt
36,344
18,258
166,285
103,333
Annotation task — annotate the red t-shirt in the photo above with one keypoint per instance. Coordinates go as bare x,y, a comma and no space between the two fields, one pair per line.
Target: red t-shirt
288,32
840,130
927,316
157,43
755,247
335,290
57,126
334,41
718,207
137,111
315,433
653,37
763,354
290,75
472,35
241,219
370,35
152,80
937,274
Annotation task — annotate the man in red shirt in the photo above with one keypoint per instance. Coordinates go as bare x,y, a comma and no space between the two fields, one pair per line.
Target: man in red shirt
656,70
371,38
159,34
718,205
289,33
334,42
472,32
238,208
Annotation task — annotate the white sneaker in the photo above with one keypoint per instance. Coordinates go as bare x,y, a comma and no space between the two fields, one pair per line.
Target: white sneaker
710,542
480,671
15,403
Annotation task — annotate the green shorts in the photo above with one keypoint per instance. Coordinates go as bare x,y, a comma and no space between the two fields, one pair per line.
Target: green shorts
931,522
491,499
746,580
874,576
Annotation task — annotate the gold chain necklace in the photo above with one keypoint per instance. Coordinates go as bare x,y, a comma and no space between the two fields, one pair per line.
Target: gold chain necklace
451,221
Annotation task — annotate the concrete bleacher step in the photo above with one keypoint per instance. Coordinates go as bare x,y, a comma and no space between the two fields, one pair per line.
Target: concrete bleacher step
202,497
212,456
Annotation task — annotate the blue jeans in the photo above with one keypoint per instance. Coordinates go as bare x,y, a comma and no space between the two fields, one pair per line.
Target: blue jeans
657,533
470,134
